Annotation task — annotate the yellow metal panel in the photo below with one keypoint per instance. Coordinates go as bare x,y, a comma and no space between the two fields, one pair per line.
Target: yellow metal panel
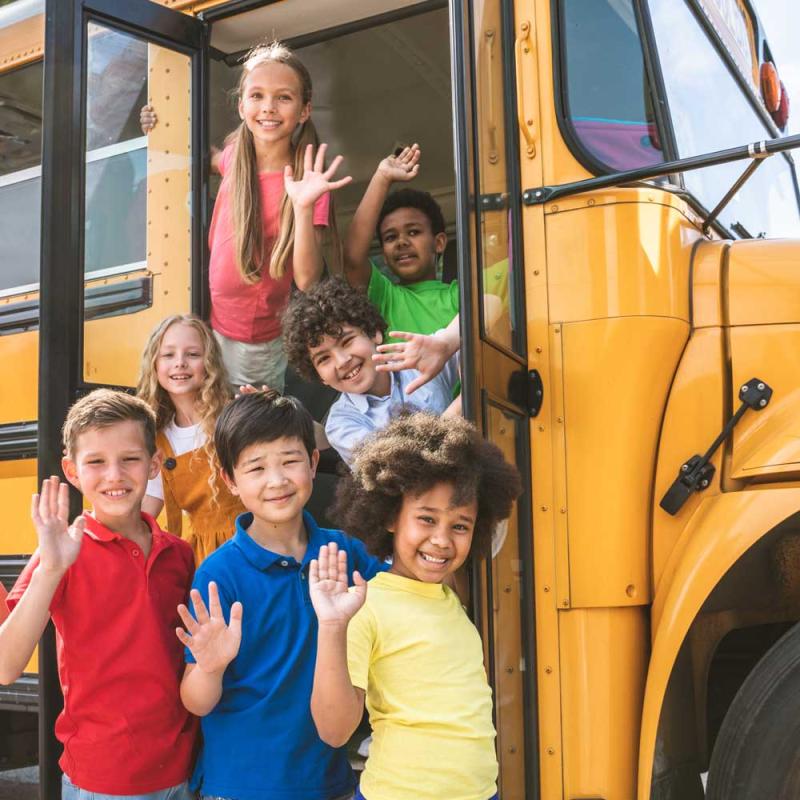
17,484
763,282
768,441
698,387
21,42
624,259
19,355
719,533
707,301
603,666
613,411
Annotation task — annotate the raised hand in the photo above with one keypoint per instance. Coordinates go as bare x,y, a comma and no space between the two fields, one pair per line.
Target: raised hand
59,542
426,354
212,643
248,388
147,119
327,584
401,167
316,179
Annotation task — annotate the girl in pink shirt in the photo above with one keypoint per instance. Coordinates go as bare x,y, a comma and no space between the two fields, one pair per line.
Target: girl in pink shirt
271,210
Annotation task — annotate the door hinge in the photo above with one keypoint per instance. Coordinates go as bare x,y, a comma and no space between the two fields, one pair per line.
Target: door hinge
696,473
525,389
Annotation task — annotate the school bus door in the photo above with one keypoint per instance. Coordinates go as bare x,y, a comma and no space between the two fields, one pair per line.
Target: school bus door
121,228
499,392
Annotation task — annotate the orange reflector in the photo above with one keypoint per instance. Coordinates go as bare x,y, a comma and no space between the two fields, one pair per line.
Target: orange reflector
770,86
781,116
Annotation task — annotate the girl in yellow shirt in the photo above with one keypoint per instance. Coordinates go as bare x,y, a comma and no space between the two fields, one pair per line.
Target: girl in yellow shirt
425,490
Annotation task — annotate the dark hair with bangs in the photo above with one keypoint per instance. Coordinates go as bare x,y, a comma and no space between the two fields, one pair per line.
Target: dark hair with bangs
322,311
410,456
412,198
260,417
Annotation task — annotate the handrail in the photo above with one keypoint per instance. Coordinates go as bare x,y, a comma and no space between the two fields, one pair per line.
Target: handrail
755,150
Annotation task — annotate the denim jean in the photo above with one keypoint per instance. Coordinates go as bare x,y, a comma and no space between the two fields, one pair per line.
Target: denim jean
71,792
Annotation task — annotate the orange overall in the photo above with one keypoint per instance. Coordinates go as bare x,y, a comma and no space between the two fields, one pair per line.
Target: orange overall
187,493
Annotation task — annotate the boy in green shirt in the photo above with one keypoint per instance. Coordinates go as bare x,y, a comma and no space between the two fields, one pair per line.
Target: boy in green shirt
410,227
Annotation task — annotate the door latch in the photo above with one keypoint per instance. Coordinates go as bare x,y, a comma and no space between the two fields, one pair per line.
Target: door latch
695,474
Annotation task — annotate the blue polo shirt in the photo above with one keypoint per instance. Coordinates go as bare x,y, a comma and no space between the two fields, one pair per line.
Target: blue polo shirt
260,740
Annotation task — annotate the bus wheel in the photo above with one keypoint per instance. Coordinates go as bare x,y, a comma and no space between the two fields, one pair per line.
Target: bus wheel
757,752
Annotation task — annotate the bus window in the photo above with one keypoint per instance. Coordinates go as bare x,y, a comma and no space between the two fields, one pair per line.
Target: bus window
137,213
20,177
608,97
710,111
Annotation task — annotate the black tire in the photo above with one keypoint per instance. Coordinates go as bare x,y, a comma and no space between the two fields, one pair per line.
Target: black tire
757,752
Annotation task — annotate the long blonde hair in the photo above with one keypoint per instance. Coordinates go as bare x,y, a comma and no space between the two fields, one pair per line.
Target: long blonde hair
214,393
246,188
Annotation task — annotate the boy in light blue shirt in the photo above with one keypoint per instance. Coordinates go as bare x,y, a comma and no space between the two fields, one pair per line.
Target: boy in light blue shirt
332,333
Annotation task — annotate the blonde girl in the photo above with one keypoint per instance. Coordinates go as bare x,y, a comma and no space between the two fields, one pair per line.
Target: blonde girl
183,379
272,208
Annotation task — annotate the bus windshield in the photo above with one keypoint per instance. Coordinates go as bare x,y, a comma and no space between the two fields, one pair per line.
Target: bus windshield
711,110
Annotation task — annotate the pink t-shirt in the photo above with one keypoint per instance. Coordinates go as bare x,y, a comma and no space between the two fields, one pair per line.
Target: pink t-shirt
249,312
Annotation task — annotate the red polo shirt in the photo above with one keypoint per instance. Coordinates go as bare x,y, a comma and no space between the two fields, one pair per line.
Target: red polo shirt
123,727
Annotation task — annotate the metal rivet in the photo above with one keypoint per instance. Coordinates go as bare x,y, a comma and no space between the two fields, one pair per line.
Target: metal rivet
554,208
509,670
745,388
551,751
563,510
512,749
762,402
565,603
760,387
538,349
536,272
544,508
541,428
548,670
506,589
559,419
546,588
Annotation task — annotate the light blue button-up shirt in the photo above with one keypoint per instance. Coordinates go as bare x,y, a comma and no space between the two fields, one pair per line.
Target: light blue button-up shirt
354,416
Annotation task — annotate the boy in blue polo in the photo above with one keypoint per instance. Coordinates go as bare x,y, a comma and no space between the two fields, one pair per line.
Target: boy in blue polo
250,680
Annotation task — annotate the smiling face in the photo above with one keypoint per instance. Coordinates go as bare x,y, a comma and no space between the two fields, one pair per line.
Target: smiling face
345,362
274,480
432,537
271,103
180,361
111,466
409,245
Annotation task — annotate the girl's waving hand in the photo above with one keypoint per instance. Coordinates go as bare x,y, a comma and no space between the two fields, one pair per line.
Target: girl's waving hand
212,643
316,179
327,584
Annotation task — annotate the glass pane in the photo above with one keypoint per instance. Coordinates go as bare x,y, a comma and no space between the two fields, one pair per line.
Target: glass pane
712,114
137,224
20,177
509,576
497,271
608,97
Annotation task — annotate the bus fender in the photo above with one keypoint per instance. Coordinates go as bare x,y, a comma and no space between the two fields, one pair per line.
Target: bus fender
720,531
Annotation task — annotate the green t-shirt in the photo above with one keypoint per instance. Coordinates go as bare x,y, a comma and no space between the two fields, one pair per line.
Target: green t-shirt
423,307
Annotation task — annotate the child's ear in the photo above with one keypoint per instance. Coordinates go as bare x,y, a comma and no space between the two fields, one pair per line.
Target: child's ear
305,114
314,463
70,472
241,109
378,337
156,461
440,242
229,482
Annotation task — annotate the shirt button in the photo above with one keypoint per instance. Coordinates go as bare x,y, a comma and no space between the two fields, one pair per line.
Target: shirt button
302,576
134,552
284,563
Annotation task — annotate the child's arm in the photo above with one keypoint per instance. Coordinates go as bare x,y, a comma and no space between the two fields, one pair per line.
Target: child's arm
336,705
148,120
213,644
402,167
316,180
59,546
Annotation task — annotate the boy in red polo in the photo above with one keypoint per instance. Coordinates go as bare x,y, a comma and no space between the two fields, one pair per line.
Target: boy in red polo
111,584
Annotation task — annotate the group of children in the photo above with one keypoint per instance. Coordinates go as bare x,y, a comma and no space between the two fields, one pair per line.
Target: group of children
294,628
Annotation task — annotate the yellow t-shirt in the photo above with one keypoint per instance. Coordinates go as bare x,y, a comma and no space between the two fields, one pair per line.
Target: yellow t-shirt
419,659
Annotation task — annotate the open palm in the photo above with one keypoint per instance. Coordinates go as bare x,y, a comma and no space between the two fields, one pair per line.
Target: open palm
212,643
59,542
327,584
316,180
401,167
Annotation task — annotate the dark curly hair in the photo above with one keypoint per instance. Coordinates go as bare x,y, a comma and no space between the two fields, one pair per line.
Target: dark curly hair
322,311
411,455
412,198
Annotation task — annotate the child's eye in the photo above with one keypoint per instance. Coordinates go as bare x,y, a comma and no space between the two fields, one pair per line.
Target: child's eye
131,458
427,520
321,360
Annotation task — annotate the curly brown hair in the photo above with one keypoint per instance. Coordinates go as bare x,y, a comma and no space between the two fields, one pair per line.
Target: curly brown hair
322,311
411,455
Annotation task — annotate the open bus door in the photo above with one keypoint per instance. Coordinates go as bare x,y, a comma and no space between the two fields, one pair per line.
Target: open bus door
500,393
121,232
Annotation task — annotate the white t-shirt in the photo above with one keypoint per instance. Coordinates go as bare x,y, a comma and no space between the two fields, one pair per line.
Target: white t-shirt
181,440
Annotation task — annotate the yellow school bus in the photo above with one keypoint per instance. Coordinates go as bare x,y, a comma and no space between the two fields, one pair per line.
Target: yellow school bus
618,171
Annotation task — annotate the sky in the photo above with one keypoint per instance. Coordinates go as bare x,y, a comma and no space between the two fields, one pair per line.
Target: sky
781,21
